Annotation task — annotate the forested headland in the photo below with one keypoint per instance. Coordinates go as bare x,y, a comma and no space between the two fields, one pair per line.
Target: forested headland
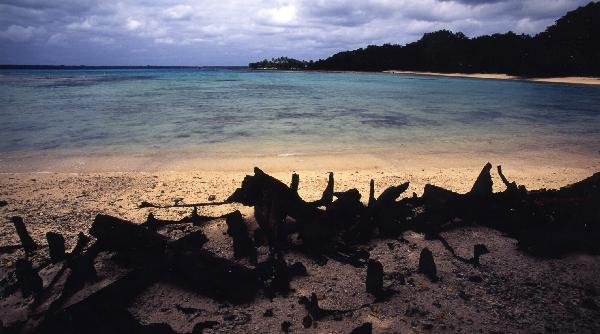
571,46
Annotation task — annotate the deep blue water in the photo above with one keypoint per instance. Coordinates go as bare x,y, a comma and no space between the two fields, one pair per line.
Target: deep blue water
228,110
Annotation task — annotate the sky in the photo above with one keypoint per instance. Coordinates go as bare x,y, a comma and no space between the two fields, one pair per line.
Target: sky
222,32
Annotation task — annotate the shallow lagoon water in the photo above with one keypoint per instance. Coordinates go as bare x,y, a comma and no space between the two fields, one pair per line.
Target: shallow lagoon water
237,111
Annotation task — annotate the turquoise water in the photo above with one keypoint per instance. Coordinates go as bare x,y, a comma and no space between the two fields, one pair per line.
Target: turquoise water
229,110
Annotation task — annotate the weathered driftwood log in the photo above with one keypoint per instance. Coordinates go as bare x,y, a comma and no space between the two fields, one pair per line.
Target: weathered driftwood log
243,246
327,196
145,204
311,304
212,276
545,222
82,242
151,259
275,275
27,278
483,185
314,310
347,254
427,265
374,281
56,246
104,310
10,248
388,213
192,241
510,186
28,244
295,182
153,223
116,234
273,201
478,251
371,193
202,271
345,210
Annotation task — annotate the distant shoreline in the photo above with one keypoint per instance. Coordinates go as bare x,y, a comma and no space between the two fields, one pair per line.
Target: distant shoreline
595,81
115,67
499,76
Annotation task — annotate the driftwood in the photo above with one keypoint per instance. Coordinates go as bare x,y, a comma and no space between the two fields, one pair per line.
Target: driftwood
26,241
28,279
56,246
427,265
374,281
545,222
295,182
243,246
311,304
82,242
215,277
145,204
315,311
478,251
154,223
9,249
115,234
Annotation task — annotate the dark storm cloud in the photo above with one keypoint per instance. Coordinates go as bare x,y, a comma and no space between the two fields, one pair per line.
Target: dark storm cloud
235,32
476,2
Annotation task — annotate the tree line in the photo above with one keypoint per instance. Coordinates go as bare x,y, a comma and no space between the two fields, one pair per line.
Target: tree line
571,46
281,63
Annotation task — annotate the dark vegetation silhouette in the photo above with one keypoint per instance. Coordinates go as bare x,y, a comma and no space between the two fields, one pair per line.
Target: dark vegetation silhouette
281,63
569,47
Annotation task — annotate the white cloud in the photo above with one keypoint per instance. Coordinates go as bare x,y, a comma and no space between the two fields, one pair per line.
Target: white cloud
132,24
18,33
57,39
284,15
179,12
238,31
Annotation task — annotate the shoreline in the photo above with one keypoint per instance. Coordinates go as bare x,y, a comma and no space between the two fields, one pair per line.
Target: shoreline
453,170
594,81
406,158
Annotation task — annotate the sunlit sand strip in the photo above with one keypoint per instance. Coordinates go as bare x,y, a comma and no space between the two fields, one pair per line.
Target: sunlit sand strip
498,76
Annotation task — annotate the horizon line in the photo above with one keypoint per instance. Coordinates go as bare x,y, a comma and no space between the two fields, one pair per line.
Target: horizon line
49,66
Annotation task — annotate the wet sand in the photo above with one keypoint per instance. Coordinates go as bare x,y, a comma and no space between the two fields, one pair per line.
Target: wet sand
499,76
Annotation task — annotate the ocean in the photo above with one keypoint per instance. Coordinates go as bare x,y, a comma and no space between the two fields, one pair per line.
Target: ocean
239,111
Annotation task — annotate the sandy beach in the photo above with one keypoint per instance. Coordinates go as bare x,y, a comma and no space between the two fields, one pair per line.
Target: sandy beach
499,76
66,192
67,200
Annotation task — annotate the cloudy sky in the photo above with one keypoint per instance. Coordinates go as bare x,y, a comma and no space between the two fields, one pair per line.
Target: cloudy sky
224,32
